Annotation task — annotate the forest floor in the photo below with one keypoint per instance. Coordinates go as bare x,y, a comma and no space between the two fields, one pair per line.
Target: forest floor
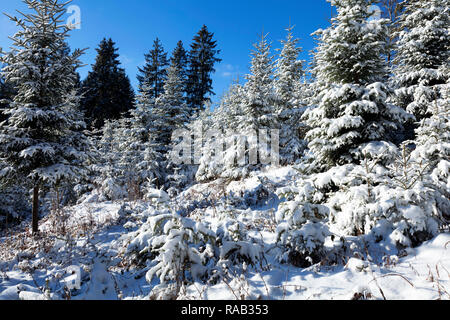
93,236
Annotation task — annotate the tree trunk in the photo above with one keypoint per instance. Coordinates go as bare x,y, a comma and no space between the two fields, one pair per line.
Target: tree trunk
35,216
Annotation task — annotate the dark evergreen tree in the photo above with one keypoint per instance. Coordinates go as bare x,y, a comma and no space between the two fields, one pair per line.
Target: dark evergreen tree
107,91
153,75
202,58
180,58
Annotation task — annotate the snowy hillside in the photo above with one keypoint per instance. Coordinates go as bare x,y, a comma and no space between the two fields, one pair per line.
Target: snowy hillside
101,239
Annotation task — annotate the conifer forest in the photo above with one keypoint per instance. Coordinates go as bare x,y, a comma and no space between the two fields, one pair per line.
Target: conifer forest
323,179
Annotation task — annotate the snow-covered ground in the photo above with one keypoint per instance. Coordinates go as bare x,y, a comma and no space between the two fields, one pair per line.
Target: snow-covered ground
95,237
423,274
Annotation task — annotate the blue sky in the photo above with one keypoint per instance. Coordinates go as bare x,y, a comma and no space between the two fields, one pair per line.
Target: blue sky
134,24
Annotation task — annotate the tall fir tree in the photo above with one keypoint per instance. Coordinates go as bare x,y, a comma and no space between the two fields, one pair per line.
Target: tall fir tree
154,121
153,75
260,103
202,58
243,116
107,91
289,68
288,87
170,111
180,58
260,98
350,70
422,62
41,141
177,113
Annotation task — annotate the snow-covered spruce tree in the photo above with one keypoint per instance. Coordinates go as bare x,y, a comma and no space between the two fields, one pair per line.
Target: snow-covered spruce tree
181,249
243,121
288,86
433,150
105,170
107,91
183,170
13,198
423,55
257,115
41,141
178,250
230,110
260,99
395,195
129,161
289,69
225,121
408,200
169,113
403,198
433,134
170,110
387,197
391,196
143,151
139,163
301,231
350,71
202,58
